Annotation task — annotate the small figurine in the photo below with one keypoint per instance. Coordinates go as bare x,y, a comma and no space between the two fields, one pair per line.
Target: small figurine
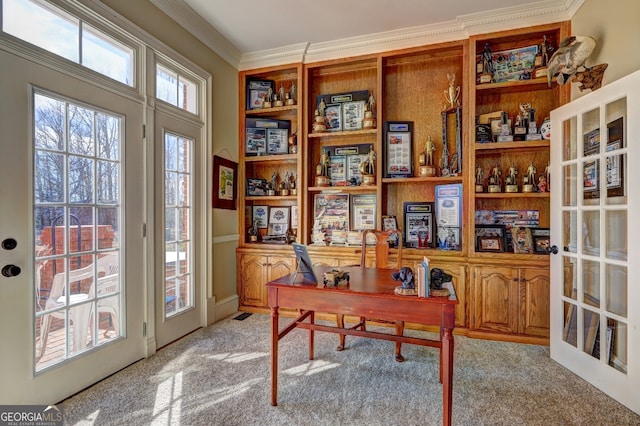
405,275
371,103
452,94
531,173
429,147
479,178
253,231
487,62
293,92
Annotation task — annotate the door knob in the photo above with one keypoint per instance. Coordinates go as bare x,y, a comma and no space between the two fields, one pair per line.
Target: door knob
9,243
553,249
11,270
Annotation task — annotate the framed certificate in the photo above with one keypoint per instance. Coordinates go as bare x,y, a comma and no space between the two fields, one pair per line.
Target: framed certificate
419,224
260,216
277,141
398,157
363,212
352,115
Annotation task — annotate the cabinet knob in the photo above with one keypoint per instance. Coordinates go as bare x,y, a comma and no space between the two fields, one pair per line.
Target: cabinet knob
554,249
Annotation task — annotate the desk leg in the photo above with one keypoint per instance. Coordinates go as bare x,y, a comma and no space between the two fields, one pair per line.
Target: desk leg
441,353
274,356
446,359
311,336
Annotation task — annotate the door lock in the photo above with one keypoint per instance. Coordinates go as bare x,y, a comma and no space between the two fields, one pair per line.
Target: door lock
11,270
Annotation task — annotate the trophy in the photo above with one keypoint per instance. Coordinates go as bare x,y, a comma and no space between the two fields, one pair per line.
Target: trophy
368,169
426,159
369,121
290,97
271,186
285,184
452,94
322,170
511,181
485,67
494,180
293,144
253,232
292,184
504,134
318,122
542,59
479,179
268,97
529,180
278,99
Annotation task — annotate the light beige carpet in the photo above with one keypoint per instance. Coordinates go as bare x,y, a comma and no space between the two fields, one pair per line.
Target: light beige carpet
220,376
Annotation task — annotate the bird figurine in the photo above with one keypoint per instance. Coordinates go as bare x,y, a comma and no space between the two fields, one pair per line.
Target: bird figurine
570,56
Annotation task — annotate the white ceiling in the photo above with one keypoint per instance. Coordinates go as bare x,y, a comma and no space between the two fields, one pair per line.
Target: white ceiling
251,34
253,25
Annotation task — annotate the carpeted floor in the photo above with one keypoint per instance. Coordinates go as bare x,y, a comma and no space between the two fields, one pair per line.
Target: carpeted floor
220,376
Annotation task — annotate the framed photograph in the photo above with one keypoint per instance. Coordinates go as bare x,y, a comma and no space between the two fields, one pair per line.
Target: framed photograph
277,229
352,115
256,187
331,213
277,141
514,64
363,211
419,224
255,142
615,163
294,217
522,240
490,231
592,142
353,168
490,244
279,214
337,169
541,240
256,91
260,216
390,223
333,117
448,238
225,183
398,148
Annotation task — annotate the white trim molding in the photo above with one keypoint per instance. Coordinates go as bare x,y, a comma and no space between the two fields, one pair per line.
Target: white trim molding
464,26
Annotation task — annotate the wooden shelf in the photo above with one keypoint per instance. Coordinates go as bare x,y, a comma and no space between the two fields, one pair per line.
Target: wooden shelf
432,179
272,111
515,86
283,157
271,197
512,195
342,134
339,189
501,146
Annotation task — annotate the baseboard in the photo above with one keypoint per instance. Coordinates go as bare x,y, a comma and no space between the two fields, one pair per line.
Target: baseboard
225,308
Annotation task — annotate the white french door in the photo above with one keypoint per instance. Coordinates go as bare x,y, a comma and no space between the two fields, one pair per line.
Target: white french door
595,290
71,185
180,225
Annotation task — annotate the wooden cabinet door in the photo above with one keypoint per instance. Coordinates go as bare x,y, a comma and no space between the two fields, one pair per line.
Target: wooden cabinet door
459,279
252,280
278,267
534,302
495,299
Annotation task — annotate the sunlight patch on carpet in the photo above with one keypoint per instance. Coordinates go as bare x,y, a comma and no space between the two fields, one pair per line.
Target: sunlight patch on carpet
228,392
313,367
238,357
168,404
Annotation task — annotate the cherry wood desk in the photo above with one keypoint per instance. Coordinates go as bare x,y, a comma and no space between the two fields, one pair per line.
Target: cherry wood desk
370,294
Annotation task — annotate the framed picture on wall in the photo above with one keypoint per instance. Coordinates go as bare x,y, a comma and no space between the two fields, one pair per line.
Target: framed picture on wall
225,183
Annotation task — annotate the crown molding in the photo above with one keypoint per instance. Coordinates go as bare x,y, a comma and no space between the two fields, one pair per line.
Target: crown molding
180,12
462,27
290,54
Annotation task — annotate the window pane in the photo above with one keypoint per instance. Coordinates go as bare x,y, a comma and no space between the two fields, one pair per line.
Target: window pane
48,27
105,55
107,136
48,177
49,123
80,180
80,130
166,85
187,98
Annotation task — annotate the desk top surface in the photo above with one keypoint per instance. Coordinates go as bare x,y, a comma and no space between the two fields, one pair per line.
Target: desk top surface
370,281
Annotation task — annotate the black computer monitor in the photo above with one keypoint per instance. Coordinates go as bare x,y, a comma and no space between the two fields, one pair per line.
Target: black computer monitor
305,267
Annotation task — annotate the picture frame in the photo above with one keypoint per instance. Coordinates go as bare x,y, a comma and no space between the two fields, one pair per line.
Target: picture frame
448,209
390,223
490,231
514,64
591,142
352,115
490,244
225,183
256,187
330,213
522,240
615,163
354,175
256,90
333,117
541,240
294,217
277,141
337,169
363,212
260,216
590,185
279,215
255,142
398,137
419,224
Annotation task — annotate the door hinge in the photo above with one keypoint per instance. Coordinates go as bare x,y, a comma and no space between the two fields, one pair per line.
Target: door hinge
144,329
144,131
144,230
